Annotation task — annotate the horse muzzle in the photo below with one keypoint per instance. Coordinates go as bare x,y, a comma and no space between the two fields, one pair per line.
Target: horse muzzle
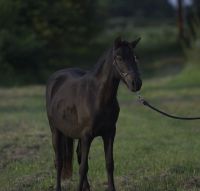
135,85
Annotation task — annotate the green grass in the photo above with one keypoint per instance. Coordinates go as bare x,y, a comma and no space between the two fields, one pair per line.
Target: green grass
152,152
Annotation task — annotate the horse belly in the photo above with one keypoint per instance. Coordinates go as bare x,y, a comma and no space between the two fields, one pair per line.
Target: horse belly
67,122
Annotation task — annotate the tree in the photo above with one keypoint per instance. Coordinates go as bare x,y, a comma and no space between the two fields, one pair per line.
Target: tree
143,8
180,18
38,35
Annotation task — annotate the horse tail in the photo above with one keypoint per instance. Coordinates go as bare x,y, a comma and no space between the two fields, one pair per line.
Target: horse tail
67,154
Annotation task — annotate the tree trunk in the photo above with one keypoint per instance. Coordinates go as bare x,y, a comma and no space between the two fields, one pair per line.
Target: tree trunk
180,19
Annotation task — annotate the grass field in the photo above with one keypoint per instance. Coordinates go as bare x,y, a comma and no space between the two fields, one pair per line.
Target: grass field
152,153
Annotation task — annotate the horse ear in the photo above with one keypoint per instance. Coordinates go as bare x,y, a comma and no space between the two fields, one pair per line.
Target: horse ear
117,42
135,42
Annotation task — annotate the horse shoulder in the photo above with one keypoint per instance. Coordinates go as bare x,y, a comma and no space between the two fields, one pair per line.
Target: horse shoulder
57,81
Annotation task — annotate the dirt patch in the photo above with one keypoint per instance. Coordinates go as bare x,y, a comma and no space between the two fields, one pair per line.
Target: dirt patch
25,182
10,153
191,183
126,183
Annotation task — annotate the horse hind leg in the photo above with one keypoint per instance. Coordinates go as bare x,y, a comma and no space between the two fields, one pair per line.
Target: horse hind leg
57,144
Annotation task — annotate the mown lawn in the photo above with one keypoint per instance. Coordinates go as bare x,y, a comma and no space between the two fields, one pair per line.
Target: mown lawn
152,152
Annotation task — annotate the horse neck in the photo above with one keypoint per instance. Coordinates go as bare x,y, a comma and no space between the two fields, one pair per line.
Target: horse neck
107,81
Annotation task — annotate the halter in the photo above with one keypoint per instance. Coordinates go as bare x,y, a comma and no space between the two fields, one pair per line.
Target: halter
147,104
122,74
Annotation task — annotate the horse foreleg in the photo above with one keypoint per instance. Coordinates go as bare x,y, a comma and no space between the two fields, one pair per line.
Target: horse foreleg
108,149
86,186
83,169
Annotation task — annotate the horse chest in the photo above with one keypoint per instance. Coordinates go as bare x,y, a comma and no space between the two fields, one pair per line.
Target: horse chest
105,120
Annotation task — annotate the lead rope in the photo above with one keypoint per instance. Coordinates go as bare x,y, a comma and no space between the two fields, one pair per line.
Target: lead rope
147,104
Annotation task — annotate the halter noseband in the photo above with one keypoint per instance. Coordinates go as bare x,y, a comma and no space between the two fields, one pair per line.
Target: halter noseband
122,74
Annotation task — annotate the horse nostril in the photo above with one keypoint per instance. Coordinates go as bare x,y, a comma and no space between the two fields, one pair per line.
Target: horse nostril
140,83
137,84
133,83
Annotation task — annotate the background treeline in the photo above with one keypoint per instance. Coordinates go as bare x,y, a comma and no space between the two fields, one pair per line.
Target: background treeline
38,37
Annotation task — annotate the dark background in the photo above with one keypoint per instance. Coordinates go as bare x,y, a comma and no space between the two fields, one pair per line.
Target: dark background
39,37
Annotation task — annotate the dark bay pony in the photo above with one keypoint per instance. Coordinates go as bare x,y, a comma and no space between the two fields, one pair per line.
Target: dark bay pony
83,105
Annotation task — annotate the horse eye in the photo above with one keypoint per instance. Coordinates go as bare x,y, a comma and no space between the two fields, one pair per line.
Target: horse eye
136,58
119,58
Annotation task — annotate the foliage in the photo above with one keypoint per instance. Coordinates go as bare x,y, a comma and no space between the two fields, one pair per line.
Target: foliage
37,35
148,8
191,75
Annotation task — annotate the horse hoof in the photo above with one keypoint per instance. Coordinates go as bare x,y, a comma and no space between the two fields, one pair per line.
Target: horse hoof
110,189
86,187
58,189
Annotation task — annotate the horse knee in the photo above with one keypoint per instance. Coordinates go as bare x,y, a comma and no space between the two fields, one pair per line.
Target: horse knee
110,166
83,169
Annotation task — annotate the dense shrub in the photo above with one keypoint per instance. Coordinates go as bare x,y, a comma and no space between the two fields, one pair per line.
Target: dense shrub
37,36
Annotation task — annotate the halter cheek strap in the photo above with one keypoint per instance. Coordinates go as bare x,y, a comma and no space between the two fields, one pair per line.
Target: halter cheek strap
122,74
